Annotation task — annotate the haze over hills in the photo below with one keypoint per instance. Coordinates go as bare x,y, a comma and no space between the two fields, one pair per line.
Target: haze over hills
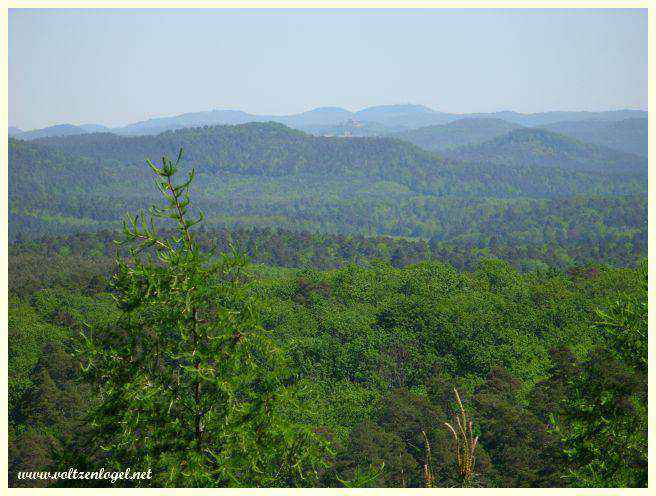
351,128
628,135
58,130
456,133
405,115
538,147
544,118
377,120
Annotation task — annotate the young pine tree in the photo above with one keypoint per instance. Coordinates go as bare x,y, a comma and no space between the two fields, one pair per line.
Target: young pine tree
191,386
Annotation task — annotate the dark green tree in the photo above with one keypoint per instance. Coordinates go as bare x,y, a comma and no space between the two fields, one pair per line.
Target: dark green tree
603,421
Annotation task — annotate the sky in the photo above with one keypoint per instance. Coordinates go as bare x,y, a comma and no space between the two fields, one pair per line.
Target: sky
115,67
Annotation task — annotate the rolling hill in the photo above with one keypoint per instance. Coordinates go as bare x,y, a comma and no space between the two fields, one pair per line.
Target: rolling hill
528,147
539,119
268,175
350,128
274,150
265,149
628,135
58,130
456,133
406,116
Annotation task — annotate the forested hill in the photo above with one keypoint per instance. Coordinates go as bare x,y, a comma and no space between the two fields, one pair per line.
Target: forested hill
538,147
552,197
628,135
269,149
457,133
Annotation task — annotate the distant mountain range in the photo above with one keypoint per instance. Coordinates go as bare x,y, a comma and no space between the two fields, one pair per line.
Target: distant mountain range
372,121
57,130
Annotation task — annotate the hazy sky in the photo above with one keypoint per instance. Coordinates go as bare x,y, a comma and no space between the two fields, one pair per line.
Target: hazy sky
119,66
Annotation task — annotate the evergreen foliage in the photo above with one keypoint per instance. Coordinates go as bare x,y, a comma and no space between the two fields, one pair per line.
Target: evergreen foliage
189,384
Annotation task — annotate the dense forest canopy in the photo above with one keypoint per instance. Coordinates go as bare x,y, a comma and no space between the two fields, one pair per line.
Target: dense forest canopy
349,285
376,350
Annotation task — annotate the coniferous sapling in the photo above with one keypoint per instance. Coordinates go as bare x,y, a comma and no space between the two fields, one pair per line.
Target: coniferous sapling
191,384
